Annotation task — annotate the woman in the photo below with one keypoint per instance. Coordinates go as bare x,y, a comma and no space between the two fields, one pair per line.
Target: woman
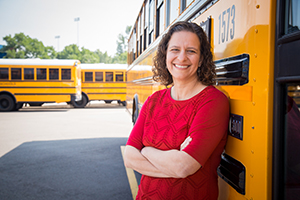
181,132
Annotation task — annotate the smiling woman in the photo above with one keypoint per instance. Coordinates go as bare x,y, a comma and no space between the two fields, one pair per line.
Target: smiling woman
181,131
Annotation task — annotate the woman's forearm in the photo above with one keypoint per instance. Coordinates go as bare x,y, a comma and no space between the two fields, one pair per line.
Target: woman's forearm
174,163
135,160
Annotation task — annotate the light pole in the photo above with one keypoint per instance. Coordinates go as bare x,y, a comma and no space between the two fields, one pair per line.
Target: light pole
57,37
77,20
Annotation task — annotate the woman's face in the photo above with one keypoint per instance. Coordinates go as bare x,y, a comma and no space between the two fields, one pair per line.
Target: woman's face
183,56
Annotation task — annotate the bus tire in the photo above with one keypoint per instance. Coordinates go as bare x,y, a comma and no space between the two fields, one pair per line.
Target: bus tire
80,104
6,103
124,103
135,109
18,106
107,101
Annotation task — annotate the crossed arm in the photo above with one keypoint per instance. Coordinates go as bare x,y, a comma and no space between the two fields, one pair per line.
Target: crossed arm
158,163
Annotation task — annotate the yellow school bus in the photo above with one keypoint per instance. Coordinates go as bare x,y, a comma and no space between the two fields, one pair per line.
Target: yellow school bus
256,47
38,81
102,82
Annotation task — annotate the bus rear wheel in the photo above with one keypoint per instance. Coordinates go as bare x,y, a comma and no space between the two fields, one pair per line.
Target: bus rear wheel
80,104
122,102
6,103
18,106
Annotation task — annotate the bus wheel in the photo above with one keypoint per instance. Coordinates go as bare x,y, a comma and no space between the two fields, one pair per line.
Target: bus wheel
135,112
6,103
107,101
18,106
122,102
81,103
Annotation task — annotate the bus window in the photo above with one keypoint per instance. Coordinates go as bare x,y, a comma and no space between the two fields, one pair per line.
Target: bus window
146,24
292,17
41,73
172,11
4,73
28,73
134,43
160,19
151,21
99,76
16,73
141,28
53,74
119,77
138,36
65,74
88,76
292,143
109,76
184,5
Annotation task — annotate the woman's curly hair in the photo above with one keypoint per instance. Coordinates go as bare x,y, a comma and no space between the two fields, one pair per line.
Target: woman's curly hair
206,72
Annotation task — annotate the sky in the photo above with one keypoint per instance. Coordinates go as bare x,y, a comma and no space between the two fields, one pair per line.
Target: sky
100,21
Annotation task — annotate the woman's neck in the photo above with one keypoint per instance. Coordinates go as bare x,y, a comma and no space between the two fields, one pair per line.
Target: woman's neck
184,91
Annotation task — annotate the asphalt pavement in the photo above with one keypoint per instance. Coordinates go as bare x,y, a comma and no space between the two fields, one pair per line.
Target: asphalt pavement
67,169
56,160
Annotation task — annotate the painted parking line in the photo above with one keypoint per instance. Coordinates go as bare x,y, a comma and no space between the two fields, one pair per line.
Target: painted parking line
131,178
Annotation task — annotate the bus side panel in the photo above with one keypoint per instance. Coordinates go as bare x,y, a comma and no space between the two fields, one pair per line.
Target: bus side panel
104,90
139,81
42,91
246,27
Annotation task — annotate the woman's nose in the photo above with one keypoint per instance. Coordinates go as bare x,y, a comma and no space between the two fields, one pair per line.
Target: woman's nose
181,56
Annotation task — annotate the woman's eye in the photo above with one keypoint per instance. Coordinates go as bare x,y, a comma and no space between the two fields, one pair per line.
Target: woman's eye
174,49
191,51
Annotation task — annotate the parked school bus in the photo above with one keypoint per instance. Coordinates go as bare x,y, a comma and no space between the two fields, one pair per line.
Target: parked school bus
102,82
256,47
37,81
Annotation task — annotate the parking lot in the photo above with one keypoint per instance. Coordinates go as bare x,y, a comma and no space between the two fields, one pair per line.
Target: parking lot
58,152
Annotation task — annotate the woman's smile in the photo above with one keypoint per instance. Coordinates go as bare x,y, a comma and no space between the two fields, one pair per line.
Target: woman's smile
181,66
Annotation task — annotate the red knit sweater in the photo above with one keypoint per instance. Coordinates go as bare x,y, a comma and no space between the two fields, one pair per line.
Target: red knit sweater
164,123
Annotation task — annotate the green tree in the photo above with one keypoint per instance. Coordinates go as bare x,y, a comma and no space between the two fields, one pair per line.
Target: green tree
121,55
122,41
120,58
88,56
104,57
22,46
70,52
121,44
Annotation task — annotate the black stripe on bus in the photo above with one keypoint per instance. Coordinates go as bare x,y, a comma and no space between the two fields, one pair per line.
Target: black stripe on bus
44,94
106,93
103,87
39,87
34,81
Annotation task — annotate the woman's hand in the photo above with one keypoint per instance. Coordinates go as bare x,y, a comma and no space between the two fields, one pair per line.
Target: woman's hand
185,143
175,163
134,159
